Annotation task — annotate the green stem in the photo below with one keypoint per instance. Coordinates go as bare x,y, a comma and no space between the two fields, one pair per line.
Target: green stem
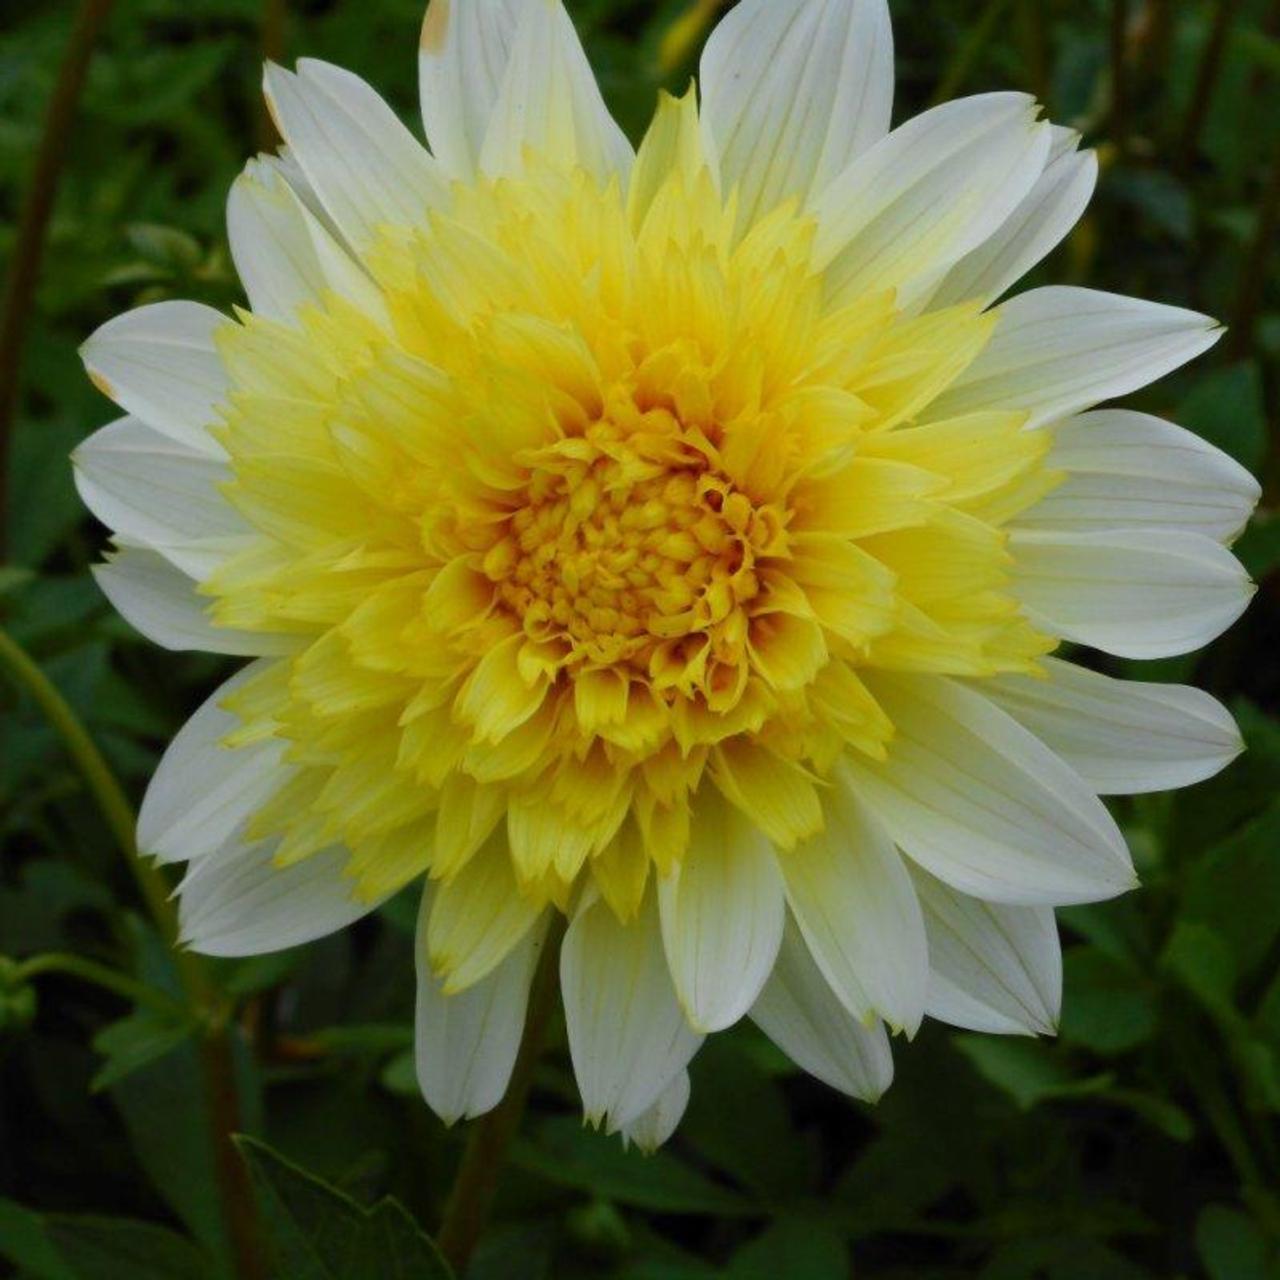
476,1184
1119,123
99,779
33,223
968,52
100,975
202,997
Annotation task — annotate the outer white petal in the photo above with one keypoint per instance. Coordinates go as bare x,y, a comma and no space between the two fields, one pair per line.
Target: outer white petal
1122,736
628,1036
159,363
927,194
721,910
792,90
202,791
466,1045
149,489
462,59
854,903
478,917
1130,470
1058,350
983,804
550,102
656,1125
366,168
1032,231
284,256
1132,592
993,967
800,1013
237,902
160,601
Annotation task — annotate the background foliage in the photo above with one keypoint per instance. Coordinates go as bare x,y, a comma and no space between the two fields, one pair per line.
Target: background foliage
1142,1143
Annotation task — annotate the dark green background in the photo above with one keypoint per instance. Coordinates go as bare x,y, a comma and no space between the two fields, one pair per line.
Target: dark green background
1142,1143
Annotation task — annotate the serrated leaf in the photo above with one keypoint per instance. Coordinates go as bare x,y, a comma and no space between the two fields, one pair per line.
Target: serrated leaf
134,1041
317,1232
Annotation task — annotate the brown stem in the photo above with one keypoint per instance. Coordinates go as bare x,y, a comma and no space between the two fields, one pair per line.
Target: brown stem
1253,274
1119,74
471,1197
1206,82
33,224
273,44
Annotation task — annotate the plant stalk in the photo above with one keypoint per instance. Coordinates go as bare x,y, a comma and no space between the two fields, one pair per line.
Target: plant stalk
202,998
1206,82
33,225
99,975
471,1198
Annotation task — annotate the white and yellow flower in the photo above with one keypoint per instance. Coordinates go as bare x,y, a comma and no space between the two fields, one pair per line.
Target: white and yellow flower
674,539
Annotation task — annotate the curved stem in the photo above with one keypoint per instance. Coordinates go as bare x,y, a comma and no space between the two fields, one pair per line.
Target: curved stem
100,975
202,997
471,1197
33,223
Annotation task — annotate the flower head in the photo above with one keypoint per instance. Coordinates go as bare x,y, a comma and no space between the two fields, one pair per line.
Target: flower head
675,540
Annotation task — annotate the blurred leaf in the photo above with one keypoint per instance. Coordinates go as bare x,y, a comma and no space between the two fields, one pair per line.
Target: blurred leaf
24,1241
1158,196
1227,409
1202,961
796,1248
563,1150
317,1232
1232,1247
1106,1006
1028,1071
120,1249
134,1041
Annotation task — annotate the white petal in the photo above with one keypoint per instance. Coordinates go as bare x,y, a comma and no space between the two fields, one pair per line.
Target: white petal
550,102
792,90
478,917
150,489
237,902
1032,231
650,1130
722,912
466,1045
1122,736
161,602
800,1013
202,791
853,901
993,967
462,59
366,168
1060,349
984,805
628,1036
1130,470
159,363
927,194
284,256
1132,592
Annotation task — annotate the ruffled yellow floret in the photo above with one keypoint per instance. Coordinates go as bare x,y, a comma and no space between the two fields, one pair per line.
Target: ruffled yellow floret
610,506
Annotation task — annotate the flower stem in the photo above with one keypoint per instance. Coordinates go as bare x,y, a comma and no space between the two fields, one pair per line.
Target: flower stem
471,1197
1206,82
33,223
100,975
1119,123
202,998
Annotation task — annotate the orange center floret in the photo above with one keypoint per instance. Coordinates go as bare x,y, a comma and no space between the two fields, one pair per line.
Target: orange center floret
631,549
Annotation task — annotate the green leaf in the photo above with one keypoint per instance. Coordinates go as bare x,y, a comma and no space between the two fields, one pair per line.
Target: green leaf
24,1241
1232,1246
134,1041
796,1248
562,1150
1105,1006
1028,1071
1227,409
124,1249
1202,961
317,1232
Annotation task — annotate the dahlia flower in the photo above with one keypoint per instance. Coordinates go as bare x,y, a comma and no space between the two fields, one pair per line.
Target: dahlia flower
676,540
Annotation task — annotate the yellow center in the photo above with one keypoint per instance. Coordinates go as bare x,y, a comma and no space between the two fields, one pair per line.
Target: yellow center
616,502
